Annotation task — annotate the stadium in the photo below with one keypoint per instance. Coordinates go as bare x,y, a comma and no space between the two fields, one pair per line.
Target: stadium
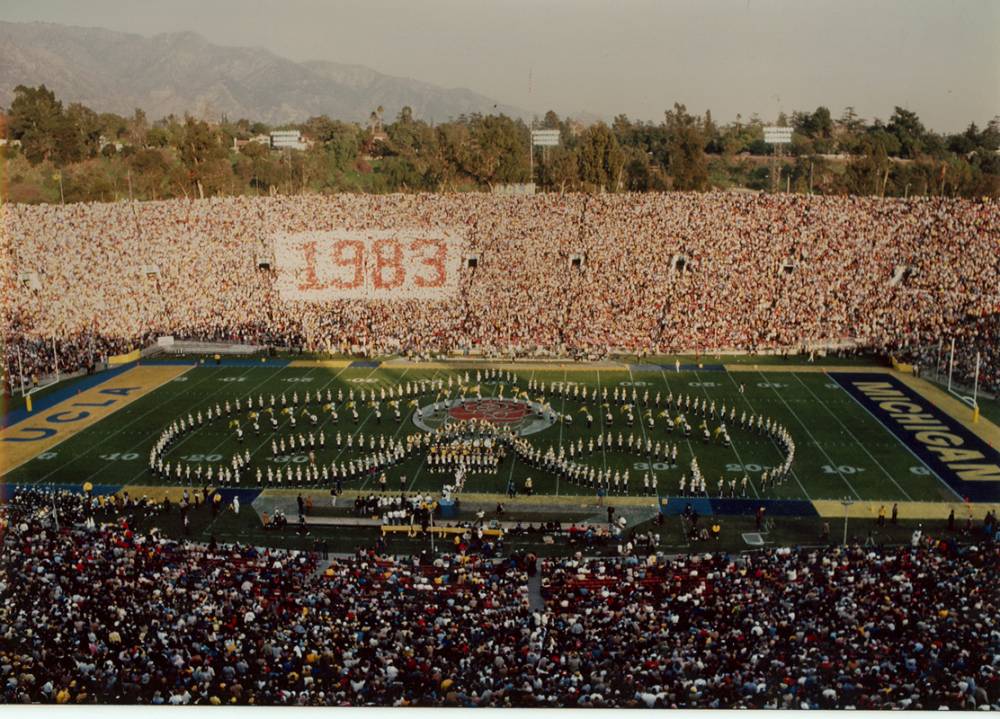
528,407
566,443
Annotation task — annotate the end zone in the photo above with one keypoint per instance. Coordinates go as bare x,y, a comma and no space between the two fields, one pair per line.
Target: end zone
46,428
961,459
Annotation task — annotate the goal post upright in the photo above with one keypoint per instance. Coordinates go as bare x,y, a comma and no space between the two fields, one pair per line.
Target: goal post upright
975,391
951,363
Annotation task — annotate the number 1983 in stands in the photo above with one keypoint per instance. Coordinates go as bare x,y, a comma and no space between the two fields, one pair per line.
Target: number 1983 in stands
321,266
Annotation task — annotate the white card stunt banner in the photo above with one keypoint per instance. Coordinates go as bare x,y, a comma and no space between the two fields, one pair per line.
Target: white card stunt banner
367,264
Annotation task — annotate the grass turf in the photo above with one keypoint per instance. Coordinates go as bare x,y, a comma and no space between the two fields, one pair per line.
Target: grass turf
841,450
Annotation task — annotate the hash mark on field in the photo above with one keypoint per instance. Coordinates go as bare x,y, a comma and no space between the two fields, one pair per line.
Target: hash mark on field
423,458
191,434
600,396
907,446
562,412
226,436
642,423
828,457
773,442
735,451
365,421
686,439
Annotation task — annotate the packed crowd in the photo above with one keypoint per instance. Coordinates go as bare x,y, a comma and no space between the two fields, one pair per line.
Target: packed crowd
973,336
658,273
97,612
812,629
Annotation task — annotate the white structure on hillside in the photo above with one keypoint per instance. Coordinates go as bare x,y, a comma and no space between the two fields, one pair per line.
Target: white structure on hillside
288,139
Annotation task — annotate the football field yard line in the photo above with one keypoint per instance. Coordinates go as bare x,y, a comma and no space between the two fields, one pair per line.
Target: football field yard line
600,396
686,439
326,420
423,459
908,448
562,413
731,444
852,435
818,445
104,386
250,394
513,455
642,421
190,434
781,454
358,429
399,427
365,421
123,428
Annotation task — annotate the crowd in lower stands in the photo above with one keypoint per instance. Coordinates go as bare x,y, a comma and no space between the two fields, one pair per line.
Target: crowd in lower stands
658,273
95,611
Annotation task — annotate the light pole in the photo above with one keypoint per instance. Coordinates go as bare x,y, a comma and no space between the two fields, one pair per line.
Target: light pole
847,502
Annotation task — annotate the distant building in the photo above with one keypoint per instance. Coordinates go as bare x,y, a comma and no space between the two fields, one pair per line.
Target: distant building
288,139
264,140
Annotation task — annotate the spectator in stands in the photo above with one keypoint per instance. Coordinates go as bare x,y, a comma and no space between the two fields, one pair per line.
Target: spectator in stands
760,272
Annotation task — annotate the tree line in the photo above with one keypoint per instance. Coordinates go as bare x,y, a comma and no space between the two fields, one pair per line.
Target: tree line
72,153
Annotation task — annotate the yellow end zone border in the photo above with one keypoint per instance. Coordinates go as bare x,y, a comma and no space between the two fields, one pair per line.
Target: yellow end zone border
47,428
313,363
869,509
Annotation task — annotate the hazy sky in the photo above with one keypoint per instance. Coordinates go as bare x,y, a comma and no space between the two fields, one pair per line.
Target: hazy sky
940,58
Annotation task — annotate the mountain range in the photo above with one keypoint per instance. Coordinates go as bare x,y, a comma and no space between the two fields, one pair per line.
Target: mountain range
178,73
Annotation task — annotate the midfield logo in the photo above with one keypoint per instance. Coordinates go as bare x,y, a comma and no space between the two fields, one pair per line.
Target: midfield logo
522,416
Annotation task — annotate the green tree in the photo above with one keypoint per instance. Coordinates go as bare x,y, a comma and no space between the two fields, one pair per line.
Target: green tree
600,159
338,142
113,126
638,174
137,128
36,118
867,173
686,148
495,151
150,169
88,129
204,157
710,134
320,128
908,130
561,170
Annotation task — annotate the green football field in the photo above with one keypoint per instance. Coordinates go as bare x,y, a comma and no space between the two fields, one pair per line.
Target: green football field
842,451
